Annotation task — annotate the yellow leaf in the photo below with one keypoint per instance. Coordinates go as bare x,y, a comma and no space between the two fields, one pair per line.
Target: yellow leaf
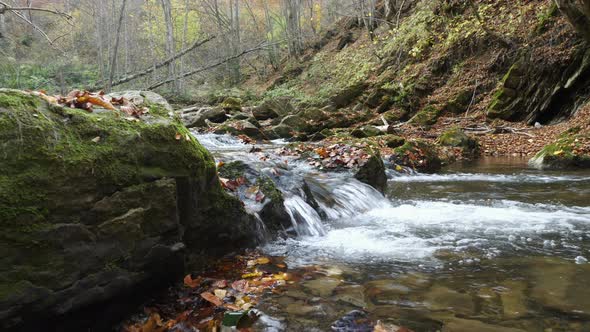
251,275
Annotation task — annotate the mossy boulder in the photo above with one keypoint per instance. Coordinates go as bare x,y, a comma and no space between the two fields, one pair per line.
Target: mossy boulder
201,116
456,138
366,131
275,216
283,131
419,155
426,116
273,108
460,103
94,204
395,115
347,95
570,150
294,121
393,141
232,104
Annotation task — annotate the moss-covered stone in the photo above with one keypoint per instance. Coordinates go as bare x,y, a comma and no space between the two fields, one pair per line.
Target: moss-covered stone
456,138
232,104
83,192
274,214
426,116
570,150
393,141
460,103
395,115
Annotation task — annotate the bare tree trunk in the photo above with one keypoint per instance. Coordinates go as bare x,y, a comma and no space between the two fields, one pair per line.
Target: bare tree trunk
167,8
184,33
272,51
578,17
116,47
2,27
292,13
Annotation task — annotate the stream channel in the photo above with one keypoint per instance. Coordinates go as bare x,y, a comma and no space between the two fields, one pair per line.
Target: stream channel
490,245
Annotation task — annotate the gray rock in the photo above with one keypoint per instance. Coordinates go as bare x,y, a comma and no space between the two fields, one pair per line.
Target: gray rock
140,97
283,131
373,173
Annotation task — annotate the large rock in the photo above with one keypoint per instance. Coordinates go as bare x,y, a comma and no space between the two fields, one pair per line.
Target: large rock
543,89
570,150
455,137
94,204
273,108
373,173
198,116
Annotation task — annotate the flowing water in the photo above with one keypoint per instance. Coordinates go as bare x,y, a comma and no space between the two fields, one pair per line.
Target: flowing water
484,246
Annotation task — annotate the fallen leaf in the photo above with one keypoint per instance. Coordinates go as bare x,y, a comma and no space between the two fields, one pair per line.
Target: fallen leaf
211,298
96,139
190,282
220,293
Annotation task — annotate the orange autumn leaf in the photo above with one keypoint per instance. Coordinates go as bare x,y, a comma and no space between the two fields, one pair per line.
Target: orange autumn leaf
190,282
208,296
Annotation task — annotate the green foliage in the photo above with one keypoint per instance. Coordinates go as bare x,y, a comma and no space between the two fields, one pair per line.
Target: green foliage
545,16
46,77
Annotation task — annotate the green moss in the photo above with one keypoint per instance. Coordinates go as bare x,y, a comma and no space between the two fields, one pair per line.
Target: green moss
269,189
562,153
392,141
426,116
545,17
455,137
233,170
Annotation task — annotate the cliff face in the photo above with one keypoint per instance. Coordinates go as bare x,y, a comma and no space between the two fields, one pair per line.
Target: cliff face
92,205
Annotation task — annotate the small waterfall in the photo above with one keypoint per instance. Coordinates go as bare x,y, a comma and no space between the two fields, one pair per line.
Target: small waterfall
306,221
341,197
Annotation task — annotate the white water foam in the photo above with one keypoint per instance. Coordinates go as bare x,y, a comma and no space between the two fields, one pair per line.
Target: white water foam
414,231
466,177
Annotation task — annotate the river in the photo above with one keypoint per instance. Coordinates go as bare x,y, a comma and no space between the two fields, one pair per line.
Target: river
490,245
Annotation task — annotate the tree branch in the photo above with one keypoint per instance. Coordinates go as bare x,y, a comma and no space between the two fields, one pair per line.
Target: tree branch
163,63
6,7
211,66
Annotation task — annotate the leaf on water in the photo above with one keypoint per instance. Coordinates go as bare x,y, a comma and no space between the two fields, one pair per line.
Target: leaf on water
208,296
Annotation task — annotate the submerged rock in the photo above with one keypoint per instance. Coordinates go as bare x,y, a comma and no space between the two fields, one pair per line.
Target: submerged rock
94,204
